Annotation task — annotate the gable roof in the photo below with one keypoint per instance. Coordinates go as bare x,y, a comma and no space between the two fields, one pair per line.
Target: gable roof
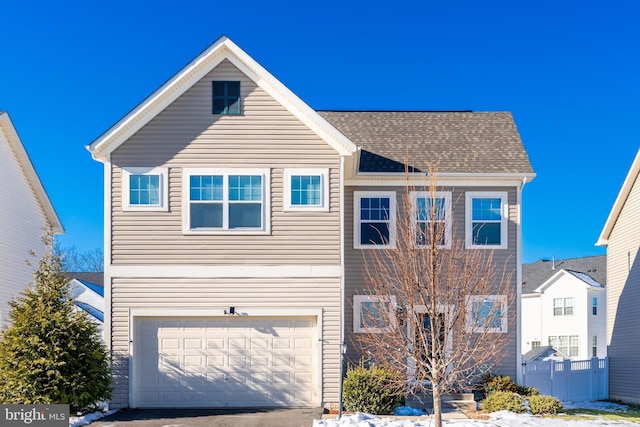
536,274
540,353
456,142
221,49
627,185
93,280
7,128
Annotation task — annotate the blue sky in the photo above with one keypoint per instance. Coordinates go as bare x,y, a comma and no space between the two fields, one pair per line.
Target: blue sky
568,70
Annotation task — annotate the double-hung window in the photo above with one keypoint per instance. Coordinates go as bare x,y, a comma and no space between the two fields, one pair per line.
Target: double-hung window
226,97
144,189
306,189
594,306
432,219
373,313
567,344
221,200
563,306
486,220
487,313
374,219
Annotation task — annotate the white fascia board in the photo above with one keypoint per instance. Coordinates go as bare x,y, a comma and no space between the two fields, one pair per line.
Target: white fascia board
30,172
442,179
631,178
220,50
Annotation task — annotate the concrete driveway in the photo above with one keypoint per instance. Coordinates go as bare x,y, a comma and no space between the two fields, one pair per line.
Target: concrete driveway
246,417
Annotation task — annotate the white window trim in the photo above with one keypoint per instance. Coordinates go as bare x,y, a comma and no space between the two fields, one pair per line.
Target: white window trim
359,299
357,195
504,221
446,195
163,206
564,306
324,189
502,299
266,201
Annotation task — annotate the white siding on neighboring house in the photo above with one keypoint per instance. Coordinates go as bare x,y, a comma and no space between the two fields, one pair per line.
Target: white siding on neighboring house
22,217
531,324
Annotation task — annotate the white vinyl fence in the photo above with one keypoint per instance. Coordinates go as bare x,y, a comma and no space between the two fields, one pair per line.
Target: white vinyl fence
569,380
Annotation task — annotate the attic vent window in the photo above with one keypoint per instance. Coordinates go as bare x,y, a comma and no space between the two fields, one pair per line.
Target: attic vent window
226,97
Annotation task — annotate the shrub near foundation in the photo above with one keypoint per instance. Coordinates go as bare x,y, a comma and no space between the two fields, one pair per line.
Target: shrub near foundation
504,401
544,405
373,390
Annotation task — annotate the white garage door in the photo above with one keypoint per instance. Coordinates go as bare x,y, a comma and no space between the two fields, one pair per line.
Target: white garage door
225,362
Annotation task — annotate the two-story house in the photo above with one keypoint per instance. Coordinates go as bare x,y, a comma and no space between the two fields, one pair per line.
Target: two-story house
621,236
236,219
25,212
564,306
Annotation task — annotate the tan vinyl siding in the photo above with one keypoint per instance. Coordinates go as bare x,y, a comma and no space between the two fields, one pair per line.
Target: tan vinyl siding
215,294
187,135
623,297
354,262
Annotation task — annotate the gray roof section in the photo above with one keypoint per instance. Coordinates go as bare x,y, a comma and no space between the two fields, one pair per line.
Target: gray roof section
539,353
97,278
454,142
535,274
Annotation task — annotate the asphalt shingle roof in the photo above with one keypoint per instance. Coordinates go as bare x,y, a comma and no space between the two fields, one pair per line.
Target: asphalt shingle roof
535,274
96,278
454,142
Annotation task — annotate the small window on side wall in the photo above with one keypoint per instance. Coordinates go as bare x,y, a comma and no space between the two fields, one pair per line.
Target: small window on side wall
144,189
306,189
226,97
373,313
487,313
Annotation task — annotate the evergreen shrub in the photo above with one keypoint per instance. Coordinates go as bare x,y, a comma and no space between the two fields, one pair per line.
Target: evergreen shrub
504,401
374,390
544,405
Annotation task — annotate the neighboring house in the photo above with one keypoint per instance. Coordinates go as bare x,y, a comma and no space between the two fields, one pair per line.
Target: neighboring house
564,305
25,212
621,236
87,289
540,354
237,218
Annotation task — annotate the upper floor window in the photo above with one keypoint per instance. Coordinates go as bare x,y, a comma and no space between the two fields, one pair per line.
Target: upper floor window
487,313
486,220
436,211
144,189
225,200
374,222
306,189
594,306
226,97
563,306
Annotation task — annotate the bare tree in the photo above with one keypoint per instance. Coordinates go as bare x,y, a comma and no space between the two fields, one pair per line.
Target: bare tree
74,261
442,307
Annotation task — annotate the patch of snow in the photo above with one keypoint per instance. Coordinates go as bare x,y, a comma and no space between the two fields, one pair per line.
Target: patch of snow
88,418
598,406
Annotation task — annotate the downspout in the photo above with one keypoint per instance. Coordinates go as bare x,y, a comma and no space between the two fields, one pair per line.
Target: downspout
341,343
519,281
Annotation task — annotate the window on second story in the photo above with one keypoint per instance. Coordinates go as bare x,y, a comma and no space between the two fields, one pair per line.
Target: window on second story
374,219
306,189
486,220
144,189
226,97
594,306
563,306
225,200
432,211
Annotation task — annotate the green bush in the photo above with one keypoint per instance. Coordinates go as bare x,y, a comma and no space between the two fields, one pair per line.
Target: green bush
374,390
493,383
51,352
544,405
504,401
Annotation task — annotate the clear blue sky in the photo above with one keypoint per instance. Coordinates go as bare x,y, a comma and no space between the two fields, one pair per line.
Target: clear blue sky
569,71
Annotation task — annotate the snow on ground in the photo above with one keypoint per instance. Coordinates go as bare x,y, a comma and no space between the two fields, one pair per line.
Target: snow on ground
497,419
